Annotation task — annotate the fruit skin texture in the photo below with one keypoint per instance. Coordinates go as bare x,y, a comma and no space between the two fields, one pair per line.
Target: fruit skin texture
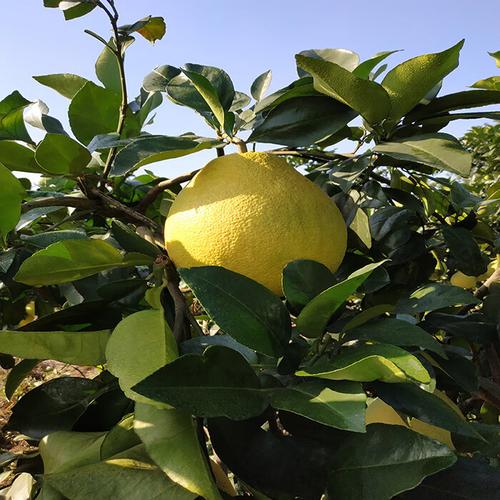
252,214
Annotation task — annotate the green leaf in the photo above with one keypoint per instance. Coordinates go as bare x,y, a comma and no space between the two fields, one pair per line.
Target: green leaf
65,84
219,383
107,69
10,201
19,156
409,82
53,406
367,363
302,121
465,250
210,96
143,331
261,84
197,345
385,461
304,279
152,148
60,155
368,98
71,260
171,440
440,151
151,28
77,348
435,296
131,241
118,477
421,404
12,117
336,404
18,374
364,69
314,318
43,240
492,83
345,58
74,9
36,115
66,450
158,79
451,102
93,111
396,332
242,308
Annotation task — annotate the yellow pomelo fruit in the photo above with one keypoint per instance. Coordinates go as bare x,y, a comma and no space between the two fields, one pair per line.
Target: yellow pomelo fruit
379,412
437,433
463,280
252,213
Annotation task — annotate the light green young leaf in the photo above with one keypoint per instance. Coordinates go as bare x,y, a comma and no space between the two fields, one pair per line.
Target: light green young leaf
141,332
383,362
71,260
368,98
65,84
171,440
11,196
59,154
77,348
409,82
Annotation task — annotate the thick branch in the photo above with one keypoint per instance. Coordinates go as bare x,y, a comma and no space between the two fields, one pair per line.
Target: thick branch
154,192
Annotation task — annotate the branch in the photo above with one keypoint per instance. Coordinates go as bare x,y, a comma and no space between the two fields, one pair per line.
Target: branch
154,192
59,201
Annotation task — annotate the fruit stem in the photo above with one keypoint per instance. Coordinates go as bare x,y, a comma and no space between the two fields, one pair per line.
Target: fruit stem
242,146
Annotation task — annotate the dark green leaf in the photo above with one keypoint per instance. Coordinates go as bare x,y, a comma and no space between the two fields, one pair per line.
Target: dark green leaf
303,280
107,69
465,250
60,155
12,117
53,406
71,260
368,98
153,148
219,383
435,296
385,461
43,240
440,151
242,308
158,79
18,374
80,348
65,84
336,404
36,115
397,332
415,402
131,241
409,82
468,479
314,318
302,121
367,363
93,111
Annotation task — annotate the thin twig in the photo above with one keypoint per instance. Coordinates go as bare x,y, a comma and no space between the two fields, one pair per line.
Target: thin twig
120,58
154,192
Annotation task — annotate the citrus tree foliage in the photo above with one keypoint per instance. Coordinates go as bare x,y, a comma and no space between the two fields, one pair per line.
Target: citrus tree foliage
378,381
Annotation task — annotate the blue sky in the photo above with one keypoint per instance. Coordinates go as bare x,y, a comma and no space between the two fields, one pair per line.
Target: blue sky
245,39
